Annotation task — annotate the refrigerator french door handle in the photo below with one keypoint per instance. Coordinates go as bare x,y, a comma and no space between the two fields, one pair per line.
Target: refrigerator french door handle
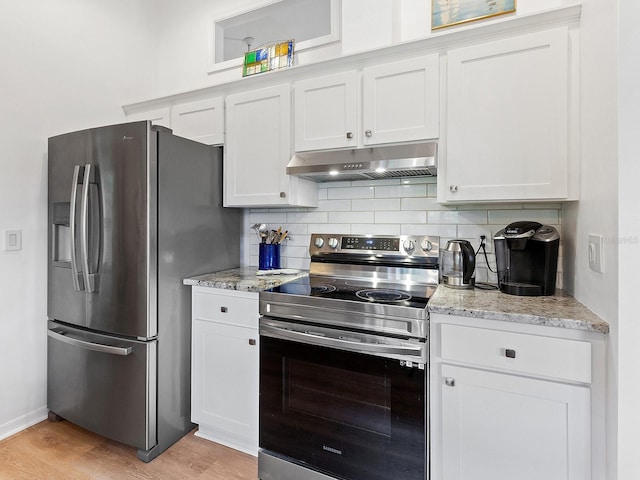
96,347
76,276
84,233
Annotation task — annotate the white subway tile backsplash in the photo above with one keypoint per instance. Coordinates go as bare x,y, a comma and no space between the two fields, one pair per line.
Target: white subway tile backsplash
401,217
391,207
351,192
269,218
375,204
428,229
468,217
297,263
424,204
375,229
546,217
329,228
307,217
393,191
351,217
333,206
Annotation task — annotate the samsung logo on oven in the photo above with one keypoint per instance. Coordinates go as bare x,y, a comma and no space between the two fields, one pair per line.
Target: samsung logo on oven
332,450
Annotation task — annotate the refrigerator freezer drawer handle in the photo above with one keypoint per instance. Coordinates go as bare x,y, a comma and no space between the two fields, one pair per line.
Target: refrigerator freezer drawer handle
76,276
97,347
84,246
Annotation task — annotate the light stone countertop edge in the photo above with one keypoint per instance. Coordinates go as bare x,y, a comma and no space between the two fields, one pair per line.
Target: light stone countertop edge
560,310
242,279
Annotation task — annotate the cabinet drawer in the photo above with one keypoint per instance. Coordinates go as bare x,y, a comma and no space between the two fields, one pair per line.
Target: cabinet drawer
515,352
231,309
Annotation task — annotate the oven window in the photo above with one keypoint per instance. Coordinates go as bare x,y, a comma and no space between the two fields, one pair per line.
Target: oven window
348,415
354,399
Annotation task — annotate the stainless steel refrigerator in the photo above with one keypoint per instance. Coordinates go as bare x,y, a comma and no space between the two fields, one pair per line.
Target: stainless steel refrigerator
133,209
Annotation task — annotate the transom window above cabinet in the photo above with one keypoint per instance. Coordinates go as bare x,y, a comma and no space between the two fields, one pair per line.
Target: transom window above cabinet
387,103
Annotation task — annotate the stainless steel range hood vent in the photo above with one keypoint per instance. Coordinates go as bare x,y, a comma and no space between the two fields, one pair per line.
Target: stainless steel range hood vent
413,160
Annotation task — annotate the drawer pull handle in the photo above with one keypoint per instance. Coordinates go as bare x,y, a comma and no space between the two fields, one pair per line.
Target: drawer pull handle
349,135
450,382
223,309
252,341
509,353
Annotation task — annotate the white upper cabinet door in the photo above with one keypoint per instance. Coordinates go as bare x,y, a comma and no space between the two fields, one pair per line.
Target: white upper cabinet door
326,112
507,120
202,121
400,101
257,150
157,116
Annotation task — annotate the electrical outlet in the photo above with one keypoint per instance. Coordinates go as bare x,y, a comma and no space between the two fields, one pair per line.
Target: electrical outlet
595,253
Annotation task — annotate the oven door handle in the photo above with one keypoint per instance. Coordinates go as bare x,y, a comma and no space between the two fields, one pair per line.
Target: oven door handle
349,345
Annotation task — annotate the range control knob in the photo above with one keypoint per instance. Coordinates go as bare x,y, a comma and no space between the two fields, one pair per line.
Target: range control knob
333,242
319,242
408,246
426,246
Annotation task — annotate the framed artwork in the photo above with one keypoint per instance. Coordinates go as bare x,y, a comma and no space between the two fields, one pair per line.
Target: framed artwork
445,13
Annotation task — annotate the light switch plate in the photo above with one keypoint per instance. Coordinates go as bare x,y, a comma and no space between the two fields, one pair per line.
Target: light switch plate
12,240
595,253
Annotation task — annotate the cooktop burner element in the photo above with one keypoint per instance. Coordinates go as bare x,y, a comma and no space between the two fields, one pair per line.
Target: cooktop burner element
318,289
383,296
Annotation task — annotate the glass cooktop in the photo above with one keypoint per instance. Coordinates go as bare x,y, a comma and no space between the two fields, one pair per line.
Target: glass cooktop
415,296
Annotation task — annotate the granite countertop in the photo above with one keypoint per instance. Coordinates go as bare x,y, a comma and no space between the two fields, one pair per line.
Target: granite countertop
559,310
246,279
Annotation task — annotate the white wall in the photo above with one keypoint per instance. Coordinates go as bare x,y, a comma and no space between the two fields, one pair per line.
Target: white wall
365,24
596,212
66,65
629,233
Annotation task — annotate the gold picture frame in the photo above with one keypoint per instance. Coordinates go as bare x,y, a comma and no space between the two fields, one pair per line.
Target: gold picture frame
446,13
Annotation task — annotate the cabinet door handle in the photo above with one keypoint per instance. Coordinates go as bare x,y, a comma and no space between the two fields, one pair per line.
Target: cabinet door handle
453,188
283,195
450,382
509,353
368,133
252,341
349,135
223,309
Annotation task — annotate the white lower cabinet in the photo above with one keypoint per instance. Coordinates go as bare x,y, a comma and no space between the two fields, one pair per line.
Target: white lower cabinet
521,403
505,426
225,360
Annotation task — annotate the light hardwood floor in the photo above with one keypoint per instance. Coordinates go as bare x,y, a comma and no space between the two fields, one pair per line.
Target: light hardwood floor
62,451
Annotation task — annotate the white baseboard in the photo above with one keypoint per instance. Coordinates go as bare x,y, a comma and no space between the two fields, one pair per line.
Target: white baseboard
25,421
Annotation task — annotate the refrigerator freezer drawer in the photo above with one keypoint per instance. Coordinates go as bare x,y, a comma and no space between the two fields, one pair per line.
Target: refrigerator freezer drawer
103,383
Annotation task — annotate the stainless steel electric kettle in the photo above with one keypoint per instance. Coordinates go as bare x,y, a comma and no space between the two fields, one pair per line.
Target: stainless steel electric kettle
458,264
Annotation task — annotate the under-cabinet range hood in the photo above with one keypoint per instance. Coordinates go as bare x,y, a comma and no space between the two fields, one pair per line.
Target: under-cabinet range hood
411,160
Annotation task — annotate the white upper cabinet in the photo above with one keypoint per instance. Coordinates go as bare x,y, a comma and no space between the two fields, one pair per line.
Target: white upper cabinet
397,102
400,101
202,121
509,127
326,112
157,116
258,148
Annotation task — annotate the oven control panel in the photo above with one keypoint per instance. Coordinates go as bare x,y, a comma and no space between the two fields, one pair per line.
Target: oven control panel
380,245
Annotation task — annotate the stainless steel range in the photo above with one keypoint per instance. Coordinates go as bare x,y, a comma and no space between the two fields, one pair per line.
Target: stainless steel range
343,362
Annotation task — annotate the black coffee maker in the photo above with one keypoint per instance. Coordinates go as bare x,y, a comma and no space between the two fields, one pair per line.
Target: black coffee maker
527,258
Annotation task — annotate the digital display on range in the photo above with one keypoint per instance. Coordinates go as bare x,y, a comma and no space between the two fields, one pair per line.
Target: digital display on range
364,243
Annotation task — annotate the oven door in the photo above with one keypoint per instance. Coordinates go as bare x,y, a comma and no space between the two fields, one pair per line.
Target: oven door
346,404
